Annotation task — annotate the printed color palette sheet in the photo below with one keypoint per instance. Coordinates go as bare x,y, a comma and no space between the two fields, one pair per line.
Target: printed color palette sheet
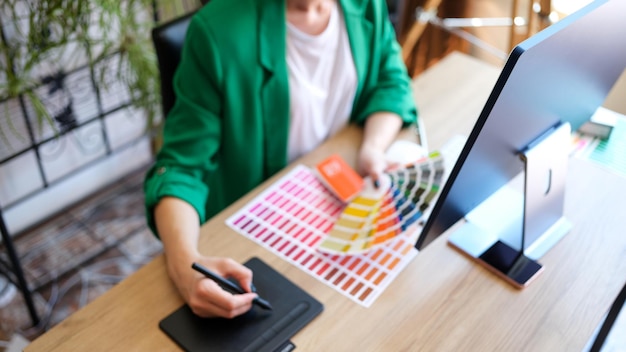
296,213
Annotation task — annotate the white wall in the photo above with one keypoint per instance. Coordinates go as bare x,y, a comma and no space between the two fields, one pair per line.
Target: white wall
61,160
65,193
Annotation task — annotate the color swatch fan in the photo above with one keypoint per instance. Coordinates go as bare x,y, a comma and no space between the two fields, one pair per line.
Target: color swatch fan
379,214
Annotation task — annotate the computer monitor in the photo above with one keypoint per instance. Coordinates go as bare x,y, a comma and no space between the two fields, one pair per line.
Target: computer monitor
554,80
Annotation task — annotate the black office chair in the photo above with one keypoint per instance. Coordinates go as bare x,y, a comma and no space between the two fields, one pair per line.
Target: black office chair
168,39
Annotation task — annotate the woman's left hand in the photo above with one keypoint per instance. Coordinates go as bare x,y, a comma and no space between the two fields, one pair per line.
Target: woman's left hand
380,130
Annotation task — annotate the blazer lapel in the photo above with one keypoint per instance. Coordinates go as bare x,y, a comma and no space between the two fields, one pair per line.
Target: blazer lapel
275,86
360,33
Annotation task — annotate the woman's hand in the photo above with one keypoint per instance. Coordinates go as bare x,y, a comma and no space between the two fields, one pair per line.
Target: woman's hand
373,162
177,224
204,296
381,129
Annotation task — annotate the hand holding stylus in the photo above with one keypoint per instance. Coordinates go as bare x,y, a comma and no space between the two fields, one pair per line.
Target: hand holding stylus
228,285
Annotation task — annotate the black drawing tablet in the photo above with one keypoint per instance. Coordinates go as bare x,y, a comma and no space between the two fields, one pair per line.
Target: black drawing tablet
256,330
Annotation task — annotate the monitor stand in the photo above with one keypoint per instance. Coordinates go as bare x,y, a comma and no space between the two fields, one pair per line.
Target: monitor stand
520,222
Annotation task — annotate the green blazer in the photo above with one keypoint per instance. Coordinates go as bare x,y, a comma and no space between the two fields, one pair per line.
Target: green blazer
228,130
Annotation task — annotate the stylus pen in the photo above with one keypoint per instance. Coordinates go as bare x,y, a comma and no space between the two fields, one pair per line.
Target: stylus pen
228,285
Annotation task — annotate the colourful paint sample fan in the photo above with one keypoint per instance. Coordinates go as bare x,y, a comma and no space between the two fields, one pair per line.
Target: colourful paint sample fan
377,215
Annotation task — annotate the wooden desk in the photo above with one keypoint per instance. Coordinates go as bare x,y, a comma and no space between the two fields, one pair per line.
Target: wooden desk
441,301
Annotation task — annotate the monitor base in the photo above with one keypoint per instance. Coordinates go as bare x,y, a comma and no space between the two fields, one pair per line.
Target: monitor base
549,238
509,263
495,255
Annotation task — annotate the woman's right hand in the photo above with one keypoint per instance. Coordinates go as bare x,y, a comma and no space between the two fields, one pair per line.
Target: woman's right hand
177,224
204,296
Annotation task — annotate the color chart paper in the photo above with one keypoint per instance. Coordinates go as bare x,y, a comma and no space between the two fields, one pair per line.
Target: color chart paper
296,213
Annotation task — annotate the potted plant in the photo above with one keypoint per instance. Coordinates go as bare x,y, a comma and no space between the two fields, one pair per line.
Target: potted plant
44,43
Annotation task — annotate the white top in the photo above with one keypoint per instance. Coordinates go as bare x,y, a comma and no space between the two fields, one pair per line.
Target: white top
322,84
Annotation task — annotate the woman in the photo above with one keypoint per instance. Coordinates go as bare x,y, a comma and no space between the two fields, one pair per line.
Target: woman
260,83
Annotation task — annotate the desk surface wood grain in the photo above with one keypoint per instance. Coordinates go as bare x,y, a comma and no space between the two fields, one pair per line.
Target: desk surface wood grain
442,301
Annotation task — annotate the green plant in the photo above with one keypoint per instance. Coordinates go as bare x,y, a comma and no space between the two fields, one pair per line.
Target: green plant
35,33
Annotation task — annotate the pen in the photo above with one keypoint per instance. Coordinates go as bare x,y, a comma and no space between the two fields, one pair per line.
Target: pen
228,285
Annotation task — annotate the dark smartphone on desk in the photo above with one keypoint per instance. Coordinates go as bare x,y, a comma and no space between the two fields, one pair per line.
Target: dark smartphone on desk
510,264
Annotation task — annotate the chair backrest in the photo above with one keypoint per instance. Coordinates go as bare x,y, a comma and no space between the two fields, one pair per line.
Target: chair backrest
168,39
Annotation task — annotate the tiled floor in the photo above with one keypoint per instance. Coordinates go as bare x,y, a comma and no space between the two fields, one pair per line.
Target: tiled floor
79,254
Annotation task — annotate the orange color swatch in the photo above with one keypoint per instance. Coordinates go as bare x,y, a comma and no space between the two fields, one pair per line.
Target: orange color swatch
340,178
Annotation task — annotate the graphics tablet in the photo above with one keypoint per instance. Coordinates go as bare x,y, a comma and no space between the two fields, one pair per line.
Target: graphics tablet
256,330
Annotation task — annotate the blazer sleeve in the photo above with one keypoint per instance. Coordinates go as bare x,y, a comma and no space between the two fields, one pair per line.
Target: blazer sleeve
388,87
192,129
